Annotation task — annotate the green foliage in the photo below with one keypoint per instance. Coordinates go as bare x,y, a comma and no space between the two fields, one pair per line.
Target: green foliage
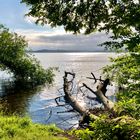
124,127
127,106
15,128
73,15
25,67
125,72
116,15
85,134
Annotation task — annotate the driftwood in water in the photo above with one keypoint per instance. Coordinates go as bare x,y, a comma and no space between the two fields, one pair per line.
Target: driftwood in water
101,91
100,94
72,101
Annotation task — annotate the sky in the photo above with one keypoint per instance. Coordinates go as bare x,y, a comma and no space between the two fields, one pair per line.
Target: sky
44,37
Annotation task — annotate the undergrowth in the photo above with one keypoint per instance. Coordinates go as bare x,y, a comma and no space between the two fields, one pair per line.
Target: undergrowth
120,128
15,128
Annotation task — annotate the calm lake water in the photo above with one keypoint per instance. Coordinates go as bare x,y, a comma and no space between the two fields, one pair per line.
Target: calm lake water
40,104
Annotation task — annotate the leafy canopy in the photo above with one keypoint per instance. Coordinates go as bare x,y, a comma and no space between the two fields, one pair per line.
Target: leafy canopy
87,15
13,57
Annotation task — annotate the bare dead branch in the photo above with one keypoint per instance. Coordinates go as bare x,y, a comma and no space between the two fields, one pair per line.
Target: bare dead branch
100,93
95,79
100,96
70,73
89,88
66,111
91,98
49,115
58,98
80,90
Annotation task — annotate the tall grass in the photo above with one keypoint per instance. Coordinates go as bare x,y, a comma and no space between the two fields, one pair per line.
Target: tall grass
15,128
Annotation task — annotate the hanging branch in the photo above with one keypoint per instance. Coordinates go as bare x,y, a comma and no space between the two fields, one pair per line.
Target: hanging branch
49,115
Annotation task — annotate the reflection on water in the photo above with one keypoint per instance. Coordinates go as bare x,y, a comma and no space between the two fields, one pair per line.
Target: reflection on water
14,99
39,104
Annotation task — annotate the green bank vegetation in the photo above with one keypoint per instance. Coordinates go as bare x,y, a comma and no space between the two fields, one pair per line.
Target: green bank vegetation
104,128
16,128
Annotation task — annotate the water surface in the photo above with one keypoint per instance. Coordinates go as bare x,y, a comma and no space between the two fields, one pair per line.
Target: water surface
40,104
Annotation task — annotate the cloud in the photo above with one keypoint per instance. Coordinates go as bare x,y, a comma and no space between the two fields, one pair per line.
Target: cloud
45,37
60,40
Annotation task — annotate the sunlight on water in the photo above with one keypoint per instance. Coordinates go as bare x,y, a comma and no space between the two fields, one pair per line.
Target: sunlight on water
82,54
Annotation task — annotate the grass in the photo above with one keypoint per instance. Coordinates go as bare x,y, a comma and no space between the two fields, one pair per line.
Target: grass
15,128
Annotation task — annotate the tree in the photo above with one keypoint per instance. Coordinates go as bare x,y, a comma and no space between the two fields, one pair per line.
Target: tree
121,18
13,57
88,15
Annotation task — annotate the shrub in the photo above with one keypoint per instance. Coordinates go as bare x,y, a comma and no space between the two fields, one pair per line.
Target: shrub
13,57
124,127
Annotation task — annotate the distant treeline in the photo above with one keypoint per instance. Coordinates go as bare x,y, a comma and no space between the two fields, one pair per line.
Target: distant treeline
64,51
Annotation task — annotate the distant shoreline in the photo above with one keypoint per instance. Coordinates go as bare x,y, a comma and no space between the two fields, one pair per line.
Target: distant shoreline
63,51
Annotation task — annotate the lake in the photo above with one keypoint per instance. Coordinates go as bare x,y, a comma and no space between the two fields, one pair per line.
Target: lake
39,104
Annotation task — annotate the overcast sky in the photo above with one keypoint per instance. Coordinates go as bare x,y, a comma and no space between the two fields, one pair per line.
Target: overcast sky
38,37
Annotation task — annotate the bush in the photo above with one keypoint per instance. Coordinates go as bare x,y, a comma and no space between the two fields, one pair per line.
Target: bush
124,127
13,57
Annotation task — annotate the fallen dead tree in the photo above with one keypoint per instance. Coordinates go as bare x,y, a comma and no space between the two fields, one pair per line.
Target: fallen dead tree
71,100
100,94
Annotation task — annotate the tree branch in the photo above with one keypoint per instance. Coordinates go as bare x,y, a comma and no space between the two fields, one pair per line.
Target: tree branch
101,96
